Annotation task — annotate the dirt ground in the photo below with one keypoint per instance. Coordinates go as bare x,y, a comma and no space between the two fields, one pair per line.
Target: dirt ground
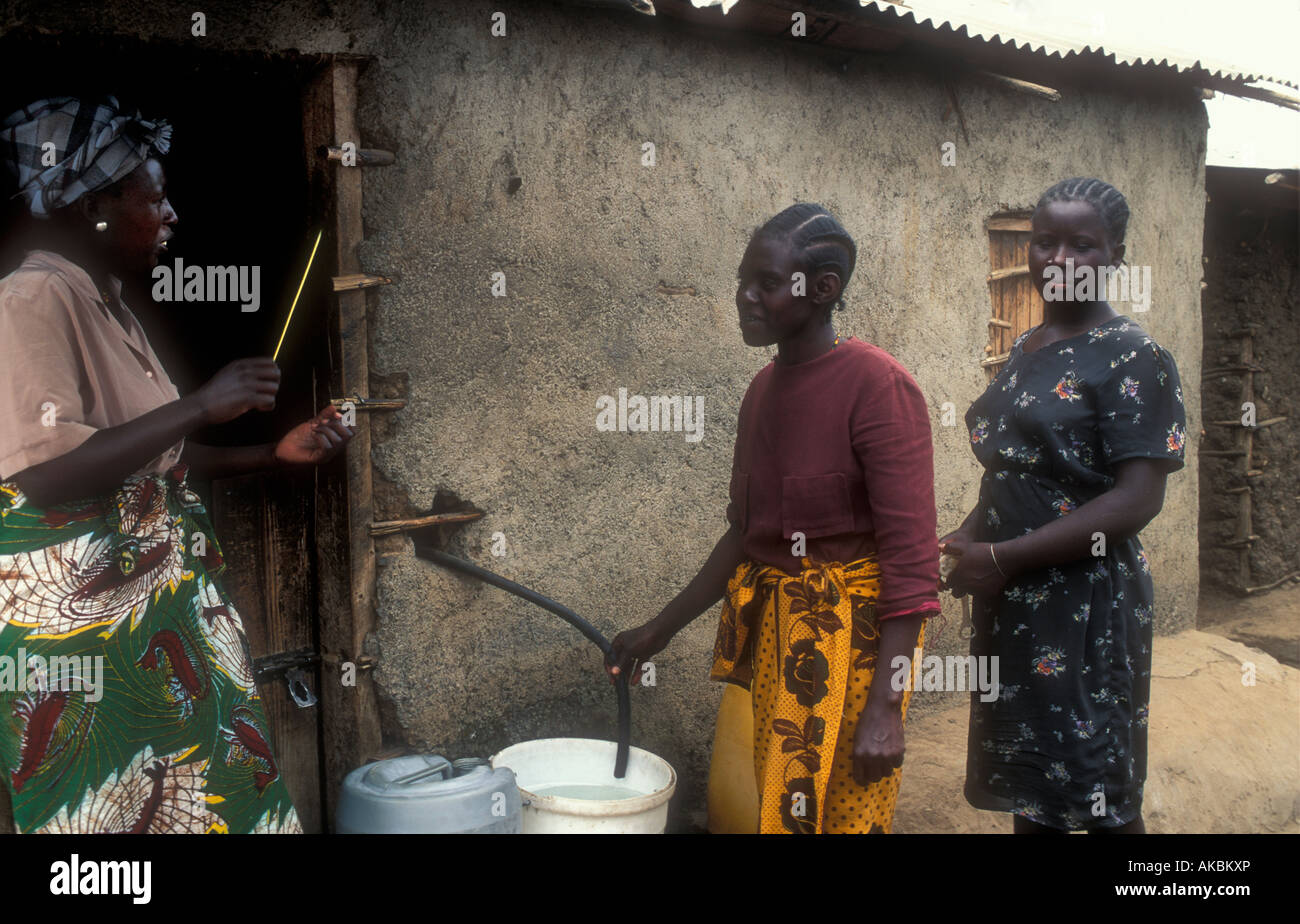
1270,621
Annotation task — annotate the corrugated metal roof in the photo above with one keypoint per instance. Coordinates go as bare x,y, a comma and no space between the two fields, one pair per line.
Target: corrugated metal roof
1185,36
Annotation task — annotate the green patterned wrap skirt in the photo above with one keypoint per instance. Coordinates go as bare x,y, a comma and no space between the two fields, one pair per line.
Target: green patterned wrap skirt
127,697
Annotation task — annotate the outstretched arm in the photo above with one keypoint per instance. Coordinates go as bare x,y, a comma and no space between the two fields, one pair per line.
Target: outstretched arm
211,462
103,460
311,443
704,590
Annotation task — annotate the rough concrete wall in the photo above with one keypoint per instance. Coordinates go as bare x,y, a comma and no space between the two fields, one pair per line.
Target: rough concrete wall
502,391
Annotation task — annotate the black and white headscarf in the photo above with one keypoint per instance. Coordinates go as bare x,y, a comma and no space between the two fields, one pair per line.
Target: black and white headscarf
62,148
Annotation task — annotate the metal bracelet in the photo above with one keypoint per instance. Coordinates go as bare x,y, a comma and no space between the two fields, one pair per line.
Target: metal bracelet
995,561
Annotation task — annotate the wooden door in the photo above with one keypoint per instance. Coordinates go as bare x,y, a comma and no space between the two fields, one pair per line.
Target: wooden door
345,552
301,551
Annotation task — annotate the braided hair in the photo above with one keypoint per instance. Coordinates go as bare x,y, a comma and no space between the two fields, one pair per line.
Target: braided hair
1109,202
818,241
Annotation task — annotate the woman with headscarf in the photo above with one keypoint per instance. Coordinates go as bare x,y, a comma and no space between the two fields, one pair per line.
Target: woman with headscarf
127,696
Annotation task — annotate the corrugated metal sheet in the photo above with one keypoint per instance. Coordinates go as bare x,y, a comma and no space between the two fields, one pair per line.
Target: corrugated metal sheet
1213,36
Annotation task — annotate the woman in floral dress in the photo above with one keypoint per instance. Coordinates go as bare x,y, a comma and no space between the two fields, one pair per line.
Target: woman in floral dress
1077,435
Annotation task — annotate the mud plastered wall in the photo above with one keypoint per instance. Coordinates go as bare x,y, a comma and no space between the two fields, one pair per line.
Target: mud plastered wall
1252,278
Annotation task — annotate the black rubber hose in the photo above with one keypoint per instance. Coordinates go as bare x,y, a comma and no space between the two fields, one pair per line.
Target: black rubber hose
546,603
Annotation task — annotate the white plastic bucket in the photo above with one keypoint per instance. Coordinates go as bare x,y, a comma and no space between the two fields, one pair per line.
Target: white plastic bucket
552,772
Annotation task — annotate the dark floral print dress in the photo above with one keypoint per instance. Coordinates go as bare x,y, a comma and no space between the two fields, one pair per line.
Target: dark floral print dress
1064,743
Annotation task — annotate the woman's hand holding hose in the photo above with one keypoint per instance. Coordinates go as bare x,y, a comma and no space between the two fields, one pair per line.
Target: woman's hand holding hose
631,647
705,589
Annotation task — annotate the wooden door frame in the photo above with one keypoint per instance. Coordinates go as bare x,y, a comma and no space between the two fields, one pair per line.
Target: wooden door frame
350,727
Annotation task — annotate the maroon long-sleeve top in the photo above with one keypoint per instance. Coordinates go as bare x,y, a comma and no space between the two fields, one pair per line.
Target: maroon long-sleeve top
838,448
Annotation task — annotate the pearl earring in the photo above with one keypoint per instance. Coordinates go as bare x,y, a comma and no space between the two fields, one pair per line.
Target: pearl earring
101,226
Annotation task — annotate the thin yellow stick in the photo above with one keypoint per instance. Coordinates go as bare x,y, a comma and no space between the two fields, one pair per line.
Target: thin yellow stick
276,355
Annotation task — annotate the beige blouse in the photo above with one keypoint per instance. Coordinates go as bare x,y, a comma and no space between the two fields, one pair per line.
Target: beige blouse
68,367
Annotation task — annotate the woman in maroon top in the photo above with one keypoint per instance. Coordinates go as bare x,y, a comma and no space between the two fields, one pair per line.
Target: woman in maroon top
830,564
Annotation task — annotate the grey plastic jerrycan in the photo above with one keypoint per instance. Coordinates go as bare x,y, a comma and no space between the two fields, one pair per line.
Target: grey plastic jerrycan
428,794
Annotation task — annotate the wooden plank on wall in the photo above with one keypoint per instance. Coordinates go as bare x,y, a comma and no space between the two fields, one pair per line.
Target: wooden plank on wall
1007,224
1007,259
1024,287
1033,302
1008,272
1010,299
996,301
344,508
1246,443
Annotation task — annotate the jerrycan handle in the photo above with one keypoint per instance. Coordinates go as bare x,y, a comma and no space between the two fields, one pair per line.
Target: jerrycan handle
441,769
